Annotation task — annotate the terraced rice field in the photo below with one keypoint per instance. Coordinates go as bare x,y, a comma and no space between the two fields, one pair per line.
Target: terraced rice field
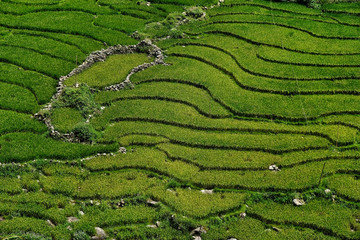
188,143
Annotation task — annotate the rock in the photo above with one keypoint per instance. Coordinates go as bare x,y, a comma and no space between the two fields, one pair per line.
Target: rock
122,150
207,191
72,219
198,231
276,229
274,168
152,202
121,203
100,233
50,223
298,202
243,215
151,226
327,191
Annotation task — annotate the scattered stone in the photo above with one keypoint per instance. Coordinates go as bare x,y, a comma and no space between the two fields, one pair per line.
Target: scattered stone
121,203
243,215
122,150
1,218
18,176
50,223
198,231
81,213
232,238
276,229
151,226
25,190
267,230
274,168
298,202
207,191
327,191
152,202
196,237
157,223
148,4
69,228
72,219
100,233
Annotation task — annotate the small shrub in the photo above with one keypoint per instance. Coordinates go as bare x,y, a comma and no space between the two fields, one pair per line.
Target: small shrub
80,98
85,132
195,12
80,235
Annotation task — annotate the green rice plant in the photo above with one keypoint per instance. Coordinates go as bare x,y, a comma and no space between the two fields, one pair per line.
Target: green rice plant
286,179
65,119
140,139
253,73
193,203
41,86
178,114
114,185
289,39
20,147
315,28
250,228
226,90
13,121
124,23
45,45
39,198
17,98
342,7
31,60
132,214
10,185
29,181
345,185
66,185
328,217
113,70
25,224
233,159
84,44
32,210
78,23
180,91
294,58
211,139
60,169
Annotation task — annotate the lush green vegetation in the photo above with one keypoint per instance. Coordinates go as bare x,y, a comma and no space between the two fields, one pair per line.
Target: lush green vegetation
257,104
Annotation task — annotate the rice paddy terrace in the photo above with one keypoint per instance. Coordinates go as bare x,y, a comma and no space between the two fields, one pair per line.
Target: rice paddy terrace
256,104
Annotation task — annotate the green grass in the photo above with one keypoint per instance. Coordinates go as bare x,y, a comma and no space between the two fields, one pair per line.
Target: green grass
113,71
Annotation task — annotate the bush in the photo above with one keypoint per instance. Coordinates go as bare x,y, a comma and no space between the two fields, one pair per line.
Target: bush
80,235
80,98
85,132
